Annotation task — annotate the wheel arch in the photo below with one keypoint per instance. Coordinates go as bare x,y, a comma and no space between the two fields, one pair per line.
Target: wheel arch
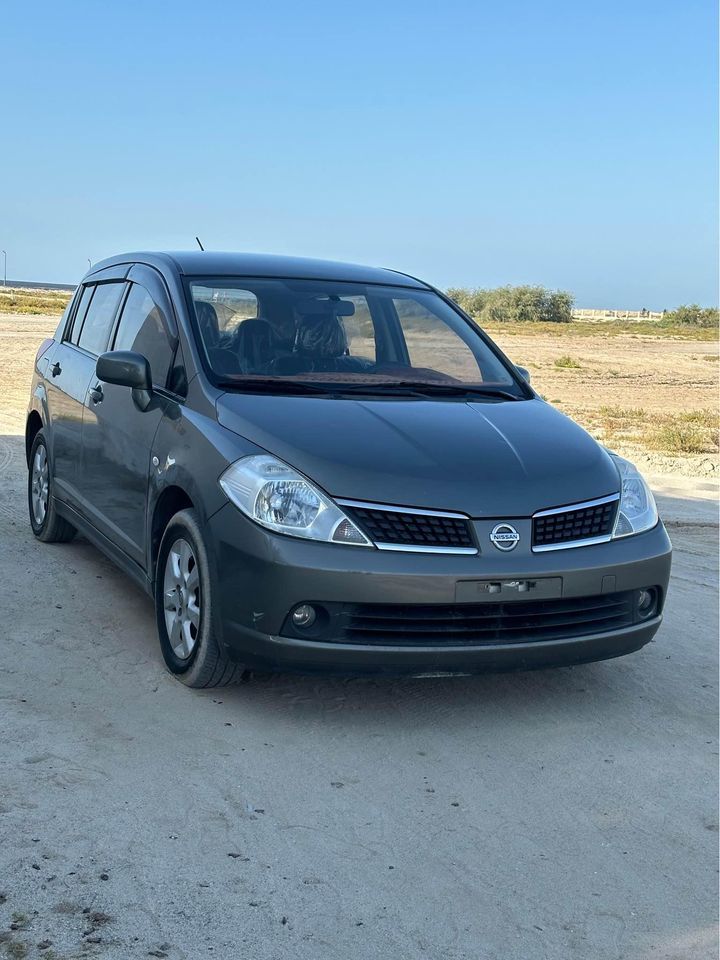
172,499
33,425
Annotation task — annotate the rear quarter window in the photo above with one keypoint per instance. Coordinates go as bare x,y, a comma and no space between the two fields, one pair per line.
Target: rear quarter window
84,302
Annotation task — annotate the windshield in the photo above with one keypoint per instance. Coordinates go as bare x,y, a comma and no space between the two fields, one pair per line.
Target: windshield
318,335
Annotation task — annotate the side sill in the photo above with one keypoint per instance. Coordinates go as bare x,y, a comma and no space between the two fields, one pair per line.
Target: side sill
118,557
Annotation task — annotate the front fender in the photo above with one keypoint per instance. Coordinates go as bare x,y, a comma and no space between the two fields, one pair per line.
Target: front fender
192,451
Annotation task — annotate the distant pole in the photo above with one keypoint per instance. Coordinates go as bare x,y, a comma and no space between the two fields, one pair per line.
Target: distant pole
4,269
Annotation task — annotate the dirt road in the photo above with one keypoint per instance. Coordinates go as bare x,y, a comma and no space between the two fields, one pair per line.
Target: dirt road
539,816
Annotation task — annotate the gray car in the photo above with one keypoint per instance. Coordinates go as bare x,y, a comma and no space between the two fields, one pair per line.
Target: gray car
319,466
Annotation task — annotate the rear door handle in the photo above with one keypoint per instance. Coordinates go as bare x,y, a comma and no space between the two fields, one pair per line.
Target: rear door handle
96,394
55,369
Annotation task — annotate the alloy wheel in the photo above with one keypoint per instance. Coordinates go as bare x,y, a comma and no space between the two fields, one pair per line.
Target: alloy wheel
181,598
40,485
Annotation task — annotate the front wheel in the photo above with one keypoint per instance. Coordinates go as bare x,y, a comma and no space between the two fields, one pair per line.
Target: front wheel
186,618
44,520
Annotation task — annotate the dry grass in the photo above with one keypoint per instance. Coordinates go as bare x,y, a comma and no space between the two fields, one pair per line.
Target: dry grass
33,302
622,413
679,437
634,330
688,432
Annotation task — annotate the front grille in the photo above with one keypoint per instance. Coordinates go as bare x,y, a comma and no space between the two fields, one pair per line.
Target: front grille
524,621
580,523
411,529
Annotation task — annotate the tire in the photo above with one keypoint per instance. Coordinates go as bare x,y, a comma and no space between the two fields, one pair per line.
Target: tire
185,610
46,524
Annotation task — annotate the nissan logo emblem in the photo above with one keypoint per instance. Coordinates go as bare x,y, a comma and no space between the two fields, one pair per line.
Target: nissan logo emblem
504,536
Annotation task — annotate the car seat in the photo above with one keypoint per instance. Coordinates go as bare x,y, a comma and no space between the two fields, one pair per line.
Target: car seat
253,345
320,347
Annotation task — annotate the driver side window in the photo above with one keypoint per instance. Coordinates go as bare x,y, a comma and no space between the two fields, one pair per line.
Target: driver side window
143,329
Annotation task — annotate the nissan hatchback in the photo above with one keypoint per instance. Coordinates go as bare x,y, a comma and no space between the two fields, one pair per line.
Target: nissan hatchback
319,466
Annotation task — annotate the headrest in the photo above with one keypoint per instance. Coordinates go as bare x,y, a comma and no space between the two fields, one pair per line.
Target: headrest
253,340
321,335
206,314
253,329
208,322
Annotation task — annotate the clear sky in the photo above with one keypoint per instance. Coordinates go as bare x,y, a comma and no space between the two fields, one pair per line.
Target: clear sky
471,142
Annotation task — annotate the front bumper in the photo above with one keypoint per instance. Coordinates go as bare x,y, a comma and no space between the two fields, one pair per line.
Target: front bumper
259,577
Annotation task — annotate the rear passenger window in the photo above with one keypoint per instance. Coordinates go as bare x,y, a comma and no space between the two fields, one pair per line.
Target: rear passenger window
83,304
95,333
143,328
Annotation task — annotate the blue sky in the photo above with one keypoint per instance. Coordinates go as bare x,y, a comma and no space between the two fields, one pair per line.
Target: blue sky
471,143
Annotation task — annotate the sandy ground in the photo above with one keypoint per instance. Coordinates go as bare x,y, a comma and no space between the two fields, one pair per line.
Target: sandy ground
542,816
659,376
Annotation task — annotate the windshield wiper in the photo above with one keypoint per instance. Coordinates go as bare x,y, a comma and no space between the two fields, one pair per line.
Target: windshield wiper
279,385
396,388
456,390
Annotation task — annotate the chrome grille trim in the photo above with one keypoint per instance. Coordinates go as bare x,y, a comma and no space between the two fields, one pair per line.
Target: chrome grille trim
413,548
571,544
584,505
390,508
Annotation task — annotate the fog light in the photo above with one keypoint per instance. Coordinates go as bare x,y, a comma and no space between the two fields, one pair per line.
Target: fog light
645,602
304,615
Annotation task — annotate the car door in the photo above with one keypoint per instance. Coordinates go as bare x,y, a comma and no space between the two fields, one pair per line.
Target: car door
117,434
68,378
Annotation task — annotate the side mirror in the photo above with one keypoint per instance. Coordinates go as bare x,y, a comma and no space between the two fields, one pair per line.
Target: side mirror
524,373
127,369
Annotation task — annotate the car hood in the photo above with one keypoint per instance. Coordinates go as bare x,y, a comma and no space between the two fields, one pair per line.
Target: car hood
485,459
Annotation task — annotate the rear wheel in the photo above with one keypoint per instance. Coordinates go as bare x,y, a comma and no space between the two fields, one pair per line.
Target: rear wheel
185,613
44,520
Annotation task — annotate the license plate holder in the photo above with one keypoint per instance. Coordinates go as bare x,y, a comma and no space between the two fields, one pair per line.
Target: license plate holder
508,588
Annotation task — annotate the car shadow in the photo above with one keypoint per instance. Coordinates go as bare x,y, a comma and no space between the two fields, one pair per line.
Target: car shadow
429,699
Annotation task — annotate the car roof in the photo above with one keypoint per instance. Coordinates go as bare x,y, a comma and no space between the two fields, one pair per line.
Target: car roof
209,263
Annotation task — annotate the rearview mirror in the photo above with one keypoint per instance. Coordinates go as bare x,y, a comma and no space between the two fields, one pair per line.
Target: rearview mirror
127,369
524,373
332,306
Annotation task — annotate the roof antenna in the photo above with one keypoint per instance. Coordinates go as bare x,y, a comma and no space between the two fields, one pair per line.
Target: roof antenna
199,244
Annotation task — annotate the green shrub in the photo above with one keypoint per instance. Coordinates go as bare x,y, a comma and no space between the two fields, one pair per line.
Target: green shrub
691,315
515,304
683,438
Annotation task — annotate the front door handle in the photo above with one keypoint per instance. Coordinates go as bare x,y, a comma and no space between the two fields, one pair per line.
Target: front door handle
55,369
96,393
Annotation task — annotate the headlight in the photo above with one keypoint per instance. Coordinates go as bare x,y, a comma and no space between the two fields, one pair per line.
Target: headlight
273,494
638,511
